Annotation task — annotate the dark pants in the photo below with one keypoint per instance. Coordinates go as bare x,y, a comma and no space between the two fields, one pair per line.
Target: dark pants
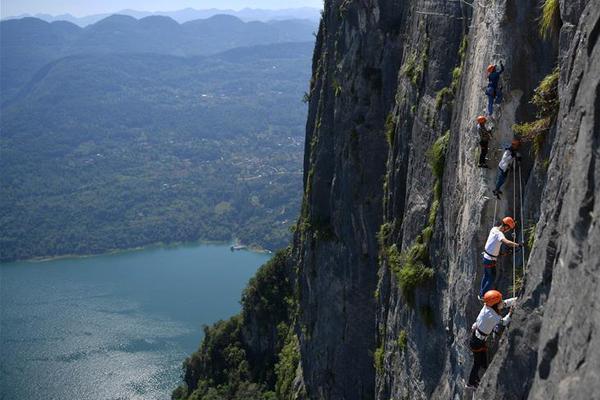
479,359
490,104
489,276
500,179
484,150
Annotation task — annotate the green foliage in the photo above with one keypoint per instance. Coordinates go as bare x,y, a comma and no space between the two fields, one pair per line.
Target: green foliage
550,20
289,357
413,275
530,234
337,88
415,64
546,164
437,155
402,340
545,97
378,359
227,366
446,94
518,285
384,233
409,268
462,50
121,150
546,100
390,128
268,294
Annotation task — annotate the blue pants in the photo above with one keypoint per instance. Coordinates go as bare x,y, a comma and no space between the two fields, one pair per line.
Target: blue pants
490,104
489,275
500,179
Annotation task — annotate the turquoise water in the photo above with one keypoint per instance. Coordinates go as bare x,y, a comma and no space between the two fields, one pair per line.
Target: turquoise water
115,326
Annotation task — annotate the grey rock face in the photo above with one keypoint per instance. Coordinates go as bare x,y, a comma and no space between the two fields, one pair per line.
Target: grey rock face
378,69
552,348
355,67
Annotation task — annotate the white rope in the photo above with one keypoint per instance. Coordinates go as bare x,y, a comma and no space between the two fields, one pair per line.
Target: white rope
522,223
514,233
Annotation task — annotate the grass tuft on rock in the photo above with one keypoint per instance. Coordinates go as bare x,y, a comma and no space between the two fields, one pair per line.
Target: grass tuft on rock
545,98
402,340
437,155
550,20
378,359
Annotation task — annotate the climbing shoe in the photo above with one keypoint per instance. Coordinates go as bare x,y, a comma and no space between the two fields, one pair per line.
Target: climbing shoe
468,386
496,193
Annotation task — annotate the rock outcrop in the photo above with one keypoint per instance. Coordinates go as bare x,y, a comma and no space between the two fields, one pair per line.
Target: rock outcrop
386,255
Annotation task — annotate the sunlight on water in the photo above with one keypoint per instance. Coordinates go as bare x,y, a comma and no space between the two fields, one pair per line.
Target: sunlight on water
116,326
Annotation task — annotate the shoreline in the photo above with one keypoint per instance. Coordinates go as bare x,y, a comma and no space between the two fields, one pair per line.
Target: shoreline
41,259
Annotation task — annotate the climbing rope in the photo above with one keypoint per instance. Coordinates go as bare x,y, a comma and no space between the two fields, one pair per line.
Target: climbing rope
522,222
495,209
514,233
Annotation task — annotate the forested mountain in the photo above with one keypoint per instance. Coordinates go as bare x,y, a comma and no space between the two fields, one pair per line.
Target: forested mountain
103,148
27,44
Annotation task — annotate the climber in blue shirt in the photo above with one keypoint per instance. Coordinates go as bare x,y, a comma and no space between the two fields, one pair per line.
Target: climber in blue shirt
492,91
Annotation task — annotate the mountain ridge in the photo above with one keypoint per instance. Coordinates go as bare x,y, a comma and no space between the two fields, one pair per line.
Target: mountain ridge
187,14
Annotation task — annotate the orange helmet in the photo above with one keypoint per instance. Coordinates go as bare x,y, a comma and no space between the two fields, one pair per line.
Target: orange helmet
515,143
509,222
492,297
481,119
491,68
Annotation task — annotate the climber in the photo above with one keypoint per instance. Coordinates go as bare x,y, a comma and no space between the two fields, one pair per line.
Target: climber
492,91
485,134
489,317
510,153
491,252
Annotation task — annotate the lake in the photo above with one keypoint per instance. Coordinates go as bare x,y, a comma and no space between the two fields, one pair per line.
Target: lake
114,326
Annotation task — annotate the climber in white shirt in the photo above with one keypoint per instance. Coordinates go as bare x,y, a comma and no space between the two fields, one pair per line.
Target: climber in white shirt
489,317
510,153
491,252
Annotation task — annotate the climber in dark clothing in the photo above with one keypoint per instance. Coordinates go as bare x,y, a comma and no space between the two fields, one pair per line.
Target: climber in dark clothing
485,134
492,91
489,317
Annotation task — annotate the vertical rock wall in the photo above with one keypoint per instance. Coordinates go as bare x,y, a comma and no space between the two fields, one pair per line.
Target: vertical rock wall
375,111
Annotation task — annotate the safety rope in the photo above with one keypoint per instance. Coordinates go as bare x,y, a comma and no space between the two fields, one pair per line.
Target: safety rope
522,223
495,209
514,233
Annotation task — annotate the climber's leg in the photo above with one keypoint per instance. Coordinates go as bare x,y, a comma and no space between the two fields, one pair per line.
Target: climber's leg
489,275
490,107
482,155
500,179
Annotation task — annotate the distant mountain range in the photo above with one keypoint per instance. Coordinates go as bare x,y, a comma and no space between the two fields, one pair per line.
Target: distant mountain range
27,44
188,14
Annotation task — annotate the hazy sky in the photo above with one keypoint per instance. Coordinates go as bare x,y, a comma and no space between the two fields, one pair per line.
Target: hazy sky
87,7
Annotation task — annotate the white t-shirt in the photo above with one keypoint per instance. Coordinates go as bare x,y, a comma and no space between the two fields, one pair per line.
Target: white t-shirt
506,160
488,318
494,241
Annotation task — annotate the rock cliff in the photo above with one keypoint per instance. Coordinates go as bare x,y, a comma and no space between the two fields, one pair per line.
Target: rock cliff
385,261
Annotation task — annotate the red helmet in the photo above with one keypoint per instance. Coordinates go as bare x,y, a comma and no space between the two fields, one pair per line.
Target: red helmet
515,143
509,222
491,68
481,119
492,297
